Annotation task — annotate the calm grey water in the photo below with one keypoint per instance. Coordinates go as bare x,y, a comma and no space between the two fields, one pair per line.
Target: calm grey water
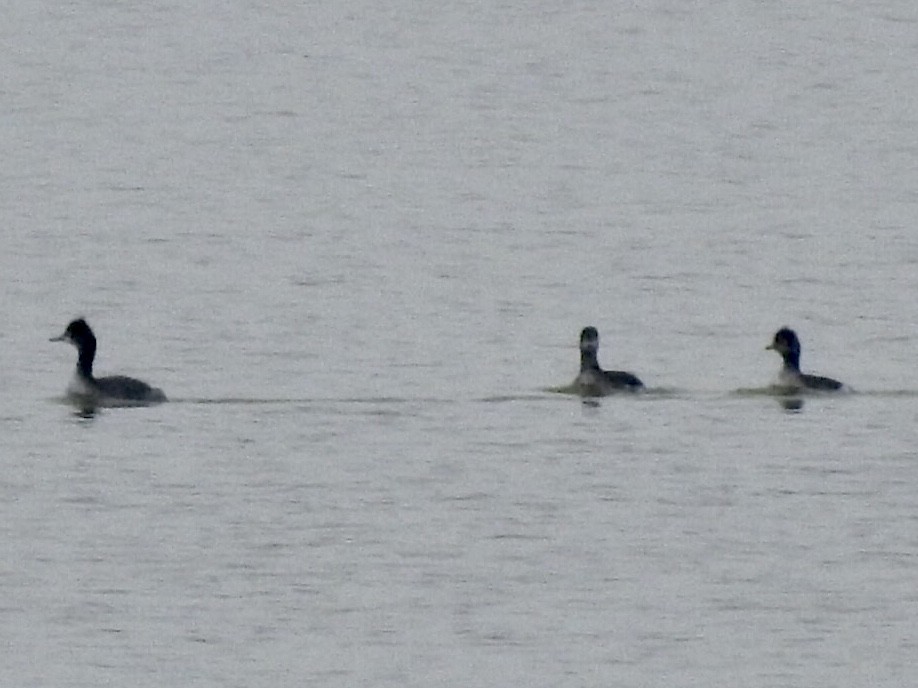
355,243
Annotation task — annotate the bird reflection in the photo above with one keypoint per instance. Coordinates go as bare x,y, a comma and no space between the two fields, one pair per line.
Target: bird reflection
792,404
86,413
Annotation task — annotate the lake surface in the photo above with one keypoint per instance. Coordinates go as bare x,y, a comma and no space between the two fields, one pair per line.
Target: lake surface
355,244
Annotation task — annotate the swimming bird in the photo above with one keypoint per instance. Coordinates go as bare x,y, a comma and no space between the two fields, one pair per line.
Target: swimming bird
787,344
593,381
116,390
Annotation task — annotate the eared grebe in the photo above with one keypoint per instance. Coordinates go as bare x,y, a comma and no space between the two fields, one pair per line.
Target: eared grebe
116,390
593,381
787,344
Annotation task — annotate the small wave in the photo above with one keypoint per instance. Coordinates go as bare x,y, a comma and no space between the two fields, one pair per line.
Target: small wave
261,401
504,398
887,393
235,401
562,389
541,394
789,391
574,390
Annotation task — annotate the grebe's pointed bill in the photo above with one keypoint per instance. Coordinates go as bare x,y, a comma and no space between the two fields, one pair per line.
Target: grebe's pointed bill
65,337
77,332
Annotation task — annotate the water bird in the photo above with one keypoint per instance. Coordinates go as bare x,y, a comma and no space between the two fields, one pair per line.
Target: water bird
115,390
592,380
787,344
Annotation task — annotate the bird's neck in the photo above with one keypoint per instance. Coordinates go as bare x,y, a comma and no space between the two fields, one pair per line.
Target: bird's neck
588,360
792,360
84,363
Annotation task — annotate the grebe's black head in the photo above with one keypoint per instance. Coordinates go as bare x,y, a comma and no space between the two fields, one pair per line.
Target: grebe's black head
77,333
589,340
785,341
786,344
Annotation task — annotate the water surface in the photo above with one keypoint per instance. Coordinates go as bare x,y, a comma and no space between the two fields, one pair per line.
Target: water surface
355,244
